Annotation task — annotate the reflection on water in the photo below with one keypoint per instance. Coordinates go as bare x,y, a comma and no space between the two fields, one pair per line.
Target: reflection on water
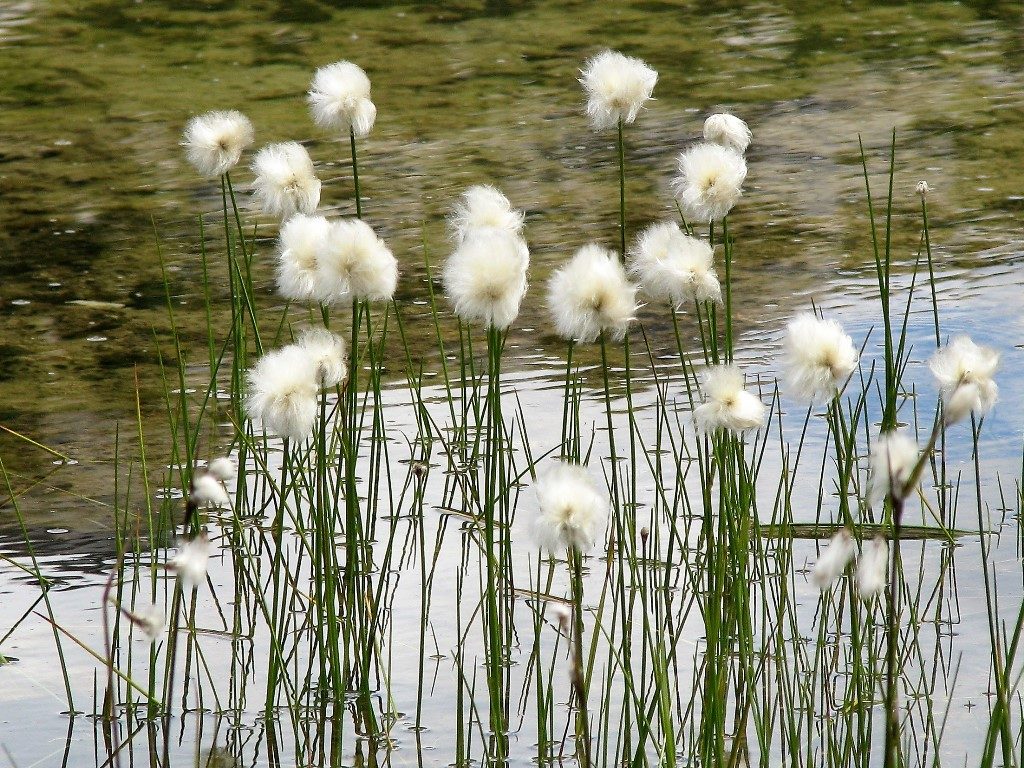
97,195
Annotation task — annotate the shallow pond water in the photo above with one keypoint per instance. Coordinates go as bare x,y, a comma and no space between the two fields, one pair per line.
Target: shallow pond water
97,195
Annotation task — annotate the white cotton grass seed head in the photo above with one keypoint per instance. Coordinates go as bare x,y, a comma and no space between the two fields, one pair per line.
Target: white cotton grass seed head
922,188
893,458
224,468
833,561
484,207
326,350
353,263
591,295
485,277
214,142
573,509
728,131
148,618
727,405
674,267
710,181
285,180
617,87
301,239
190,561
964,372
283,393
873,568
339,99
819,357
208,491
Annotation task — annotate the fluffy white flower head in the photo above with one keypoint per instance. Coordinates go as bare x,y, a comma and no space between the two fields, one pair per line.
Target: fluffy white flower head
893,458
573,509
283,393
727,405
922,188
873,568
710,181
834,559
820,356
484,207
591,295
208,491
485,278
224,468
674,267
728,131
964,371
339,98
301,239
214,142
190,561
353,263
617,87
149,618
285,181
326,350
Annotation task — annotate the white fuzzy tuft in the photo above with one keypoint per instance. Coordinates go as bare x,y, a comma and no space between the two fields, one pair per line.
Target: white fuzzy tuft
214,142
728,131
339,98
485,278
283,393
149,618
285,181
301,238
326,350
484,207
820,356
591,295
674,267
727,405
873,568
190,561
834,559
224,468
893,458
617,87
208,491
573,509
964,371
710,181
354,264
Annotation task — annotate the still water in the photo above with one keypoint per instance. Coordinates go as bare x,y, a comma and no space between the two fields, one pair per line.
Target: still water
95,194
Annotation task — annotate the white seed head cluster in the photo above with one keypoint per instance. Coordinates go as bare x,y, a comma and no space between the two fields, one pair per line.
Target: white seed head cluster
873,568
285,180
674,267
964,371
190,561
710,181
485,277
327,352
617,87
301,238
820,356
573,509
339,98
148,618
484,207
591,295
833,561
352,262
224,468
728,131
893,458
283,393
214,142
727,405
208,491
